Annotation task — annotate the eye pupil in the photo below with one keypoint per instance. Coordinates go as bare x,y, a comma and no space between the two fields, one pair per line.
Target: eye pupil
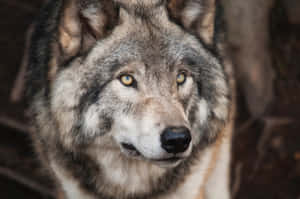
181,78
126,80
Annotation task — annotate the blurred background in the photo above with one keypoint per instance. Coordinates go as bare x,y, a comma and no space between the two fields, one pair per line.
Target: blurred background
264,43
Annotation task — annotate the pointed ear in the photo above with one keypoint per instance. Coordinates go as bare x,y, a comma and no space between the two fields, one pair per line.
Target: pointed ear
82,23
197,16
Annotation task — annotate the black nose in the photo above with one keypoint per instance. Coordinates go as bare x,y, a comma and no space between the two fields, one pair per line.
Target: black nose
175,139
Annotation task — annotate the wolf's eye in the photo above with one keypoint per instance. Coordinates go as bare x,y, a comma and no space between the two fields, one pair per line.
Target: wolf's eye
127,80
181,77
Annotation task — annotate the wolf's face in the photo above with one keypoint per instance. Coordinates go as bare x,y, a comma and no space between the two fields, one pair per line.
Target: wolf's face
126,97
147,90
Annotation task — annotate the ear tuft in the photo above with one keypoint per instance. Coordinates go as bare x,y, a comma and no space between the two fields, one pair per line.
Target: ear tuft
82,23
70,29
197,16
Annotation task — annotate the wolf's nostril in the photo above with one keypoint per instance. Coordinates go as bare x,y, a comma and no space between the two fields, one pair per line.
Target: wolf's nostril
175,139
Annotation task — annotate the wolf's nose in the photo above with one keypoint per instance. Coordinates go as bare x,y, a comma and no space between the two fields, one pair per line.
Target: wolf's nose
175,139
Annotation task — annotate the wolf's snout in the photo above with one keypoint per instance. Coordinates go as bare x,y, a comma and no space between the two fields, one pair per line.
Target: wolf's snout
175,139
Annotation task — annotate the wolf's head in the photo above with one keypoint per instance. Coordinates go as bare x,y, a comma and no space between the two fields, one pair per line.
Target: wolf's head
134,78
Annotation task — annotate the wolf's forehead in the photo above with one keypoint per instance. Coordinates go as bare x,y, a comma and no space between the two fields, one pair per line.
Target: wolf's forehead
151,50
151,44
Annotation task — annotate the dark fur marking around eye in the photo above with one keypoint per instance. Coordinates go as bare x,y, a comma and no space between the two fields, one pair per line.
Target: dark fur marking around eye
189,61
203,71
90,97
194,62
115,65
207,91
92,94
199,87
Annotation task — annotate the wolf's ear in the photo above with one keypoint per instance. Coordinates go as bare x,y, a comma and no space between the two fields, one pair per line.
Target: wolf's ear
197,16
82,23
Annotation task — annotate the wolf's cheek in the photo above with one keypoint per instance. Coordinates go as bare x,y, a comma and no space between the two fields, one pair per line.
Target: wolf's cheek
65,94
185,90
124,93
93,122
201,112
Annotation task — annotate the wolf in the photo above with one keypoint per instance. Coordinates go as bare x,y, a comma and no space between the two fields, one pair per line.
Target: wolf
131,99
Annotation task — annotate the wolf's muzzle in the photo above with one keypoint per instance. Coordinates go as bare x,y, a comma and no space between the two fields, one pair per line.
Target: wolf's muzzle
175,139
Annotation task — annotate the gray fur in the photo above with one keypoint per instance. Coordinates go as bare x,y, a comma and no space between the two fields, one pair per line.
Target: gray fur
83,113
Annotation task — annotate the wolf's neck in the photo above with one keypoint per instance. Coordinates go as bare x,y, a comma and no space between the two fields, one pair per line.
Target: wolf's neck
141,180
130,176
117,176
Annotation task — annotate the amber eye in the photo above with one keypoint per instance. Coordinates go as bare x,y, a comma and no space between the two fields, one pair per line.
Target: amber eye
127,80
181,77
